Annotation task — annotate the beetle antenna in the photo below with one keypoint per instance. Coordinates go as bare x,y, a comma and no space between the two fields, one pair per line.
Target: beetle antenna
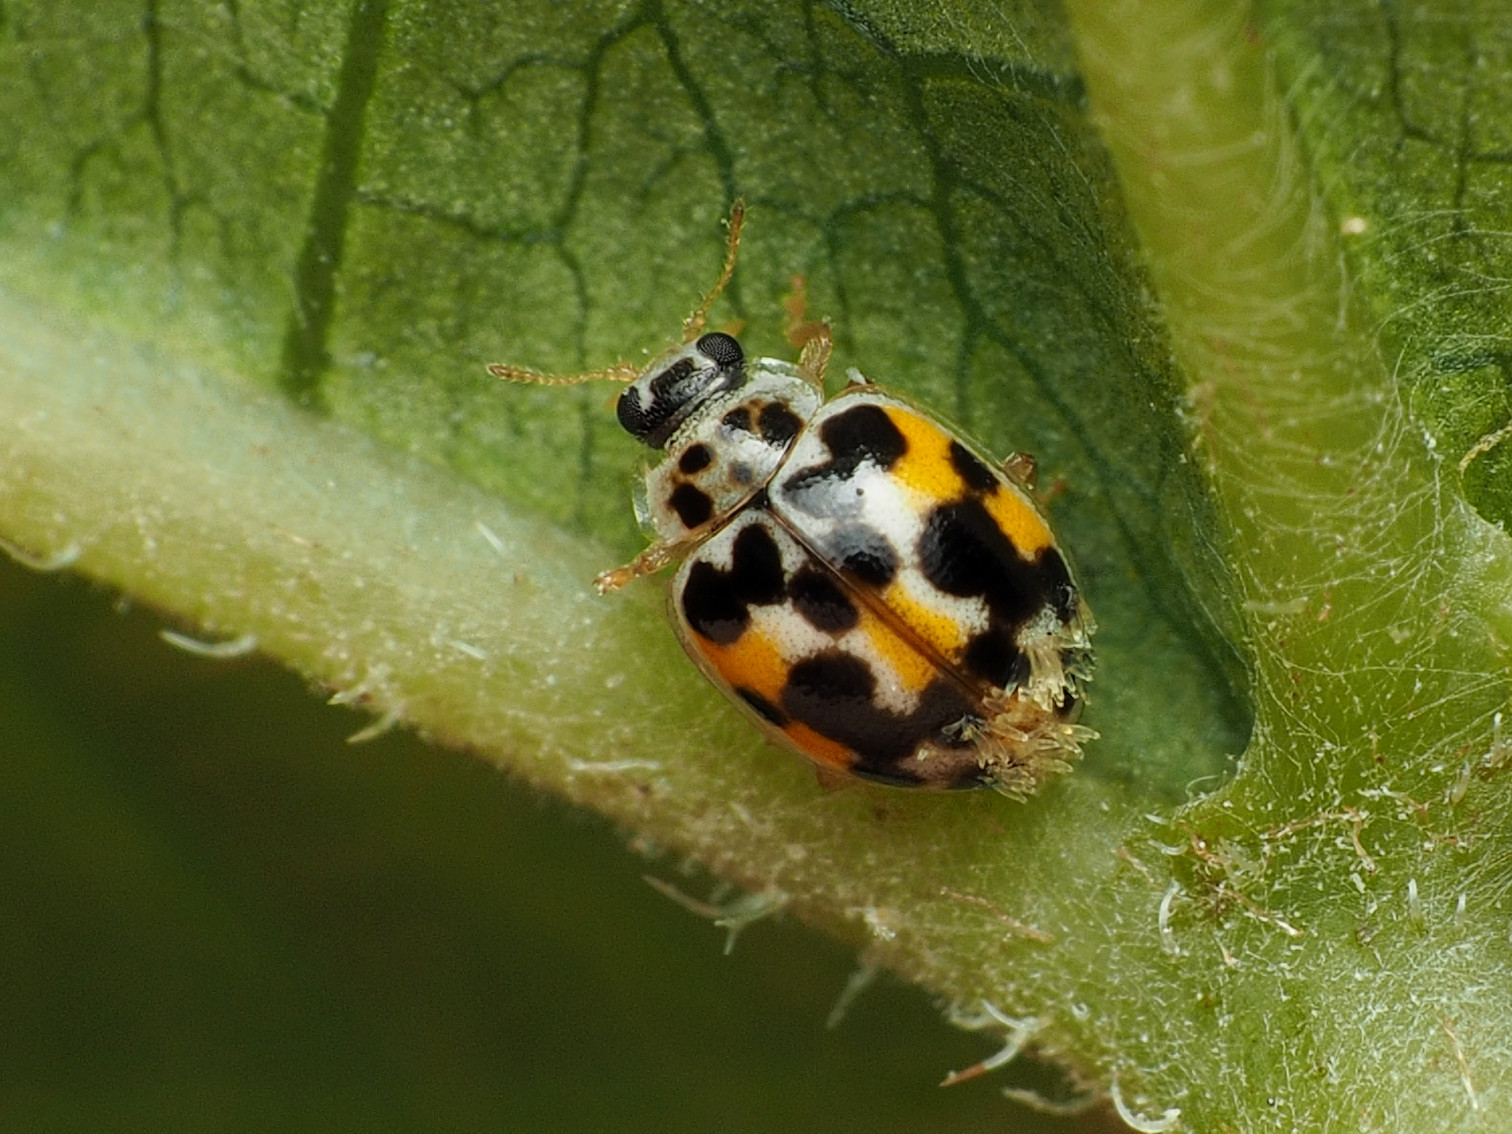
621,372
694,324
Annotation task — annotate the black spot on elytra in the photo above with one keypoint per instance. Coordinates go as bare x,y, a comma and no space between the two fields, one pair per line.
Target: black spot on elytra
863,434
865,553
820,600
778,424
831,678
764,708
756,567
993,657
977,476
738,420
695,458
692,505
712,608
716,601
834,694
963,552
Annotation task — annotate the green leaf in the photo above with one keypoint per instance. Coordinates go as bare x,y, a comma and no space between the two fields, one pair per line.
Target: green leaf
1404,112
255,260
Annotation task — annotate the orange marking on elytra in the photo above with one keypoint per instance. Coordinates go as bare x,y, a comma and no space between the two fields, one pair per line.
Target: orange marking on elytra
925,467
938,629
752,662
819,747
913,669
1019,520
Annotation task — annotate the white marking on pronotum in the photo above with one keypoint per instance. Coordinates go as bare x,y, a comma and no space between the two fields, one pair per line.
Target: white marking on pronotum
221,651
65,556
1138,1122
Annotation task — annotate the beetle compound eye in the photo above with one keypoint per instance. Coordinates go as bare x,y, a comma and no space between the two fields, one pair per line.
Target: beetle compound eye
721,348
631,414
652,408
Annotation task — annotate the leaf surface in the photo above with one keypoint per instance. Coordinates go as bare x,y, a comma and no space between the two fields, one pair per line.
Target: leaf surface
256,258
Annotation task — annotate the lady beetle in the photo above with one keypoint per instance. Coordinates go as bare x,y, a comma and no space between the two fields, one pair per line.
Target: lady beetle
875,593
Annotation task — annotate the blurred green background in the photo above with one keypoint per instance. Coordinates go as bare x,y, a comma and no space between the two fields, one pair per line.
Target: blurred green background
217,915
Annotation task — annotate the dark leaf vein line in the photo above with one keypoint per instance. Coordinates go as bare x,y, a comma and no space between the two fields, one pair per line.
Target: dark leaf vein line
306,354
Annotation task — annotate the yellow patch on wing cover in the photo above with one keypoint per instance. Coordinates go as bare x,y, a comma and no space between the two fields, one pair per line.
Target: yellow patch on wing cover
935,627
912,669
1019,520
820,748
925,467
752,662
